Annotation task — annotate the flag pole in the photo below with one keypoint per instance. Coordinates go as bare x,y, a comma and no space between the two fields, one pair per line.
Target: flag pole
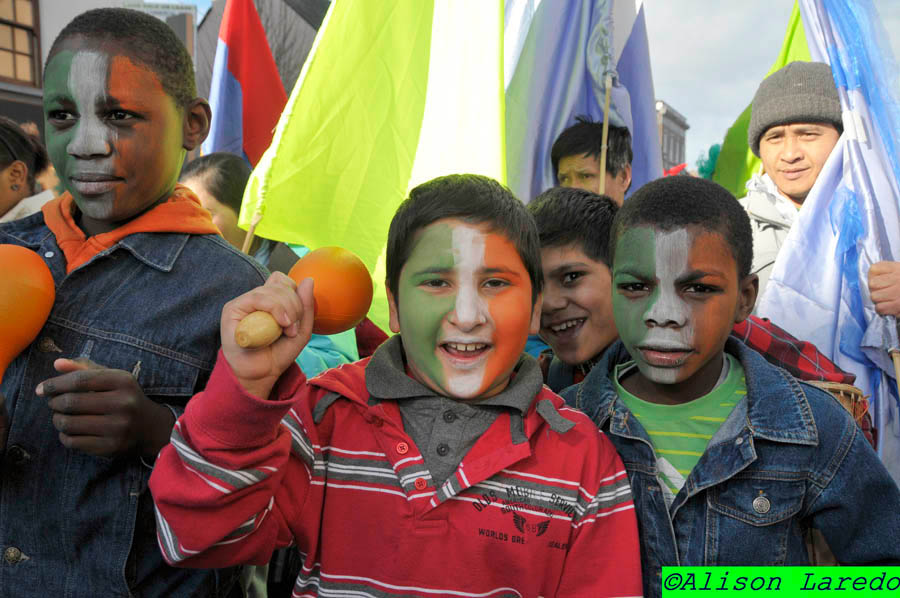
248,238
895,356
605,135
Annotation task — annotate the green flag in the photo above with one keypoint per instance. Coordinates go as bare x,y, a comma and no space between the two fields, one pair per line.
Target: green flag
736,162
393,94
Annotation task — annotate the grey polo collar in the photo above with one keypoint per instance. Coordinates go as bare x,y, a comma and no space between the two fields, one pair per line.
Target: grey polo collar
386,378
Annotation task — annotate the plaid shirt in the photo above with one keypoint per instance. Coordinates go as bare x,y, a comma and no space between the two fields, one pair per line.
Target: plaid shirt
800,358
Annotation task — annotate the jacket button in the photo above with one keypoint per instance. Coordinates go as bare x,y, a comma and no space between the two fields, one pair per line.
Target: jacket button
443,449
376,421
449,416
402,448
47,345
17,455
12,555
761,505
420,483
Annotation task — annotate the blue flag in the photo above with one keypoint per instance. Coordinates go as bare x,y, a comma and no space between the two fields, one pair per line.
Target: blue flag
850,220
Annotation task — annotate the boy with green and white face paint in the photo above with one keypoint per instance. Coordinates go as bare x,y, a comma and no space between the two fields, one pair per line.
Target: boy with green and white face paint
480,480
731,460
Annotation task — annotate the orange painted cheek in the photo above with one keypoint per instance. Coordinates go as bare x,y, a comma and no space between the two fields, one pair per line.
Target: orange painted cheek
510,310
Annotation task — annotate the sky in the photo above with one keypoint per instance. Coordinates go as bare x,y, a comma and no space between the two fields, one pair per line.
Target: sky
708,58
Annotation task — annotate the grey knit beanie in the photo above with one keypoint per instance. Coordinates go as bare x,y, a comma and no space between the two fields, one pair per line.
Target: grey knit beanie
797,92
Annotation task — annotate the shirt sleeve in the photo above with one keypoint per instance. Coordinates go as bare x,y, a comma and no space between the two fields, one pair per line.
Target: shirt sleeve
324,352
604,556
217,484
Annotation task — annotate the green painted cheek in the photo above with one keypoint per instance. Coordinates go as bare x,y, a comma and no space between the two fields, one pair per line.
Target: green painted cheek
422,318
422,313
56,83
635,254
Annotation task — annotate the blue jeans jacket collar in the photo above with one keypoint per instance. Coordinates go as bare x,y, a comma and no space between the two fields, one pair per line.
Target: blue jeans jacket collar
157,250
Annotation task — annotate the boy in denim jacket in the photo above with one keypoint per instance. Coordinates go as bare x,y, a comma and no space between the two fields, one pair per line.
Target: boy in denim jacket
731,460
141,276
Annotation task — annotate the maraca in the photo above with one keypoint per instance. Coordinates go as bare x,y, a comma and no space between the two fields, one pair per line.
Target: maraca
27,293
342,289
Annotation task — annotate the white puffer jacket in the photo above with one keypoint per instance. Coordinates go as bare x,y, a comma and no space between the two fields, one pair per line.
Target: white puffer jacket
771,217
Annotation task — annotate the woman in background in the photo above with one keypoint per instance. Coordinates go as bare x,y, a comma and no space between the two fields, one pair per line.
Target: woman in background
22,158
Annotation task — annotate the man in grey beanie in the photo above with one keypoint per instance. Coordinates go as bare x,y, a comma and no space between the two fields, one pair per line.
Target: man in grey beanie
795,122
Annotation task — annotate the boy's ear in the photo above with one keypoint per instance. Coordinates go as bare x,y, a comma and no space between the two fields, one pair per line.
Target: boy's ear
197,116
535,326
18,173
625,175
394,321
746,297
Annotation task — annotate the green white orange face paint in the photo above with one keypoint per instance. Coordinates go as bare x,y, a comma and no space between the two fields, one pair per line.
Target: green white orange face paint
463,309
113,133
676,298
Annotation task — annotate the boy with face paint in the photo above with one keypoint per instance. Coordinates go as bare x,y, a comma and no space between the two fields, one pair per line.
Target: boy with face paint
133,333
731,460
443,448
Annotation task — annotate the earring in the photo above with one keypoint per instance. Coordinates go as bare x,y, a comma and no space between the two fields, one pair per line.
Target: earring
14,187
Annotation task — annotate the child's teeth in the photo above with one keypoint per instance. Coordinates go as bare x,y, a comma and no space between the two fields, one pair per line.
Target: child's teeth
466,347
565,325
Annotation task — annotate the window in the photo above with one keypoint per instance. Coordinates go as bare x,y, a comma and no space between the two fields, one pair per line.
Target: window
19,56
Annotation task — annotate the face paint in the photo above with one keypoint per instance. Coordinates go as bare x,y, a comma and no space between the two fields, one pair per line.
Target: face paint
113,134
675,299
464,308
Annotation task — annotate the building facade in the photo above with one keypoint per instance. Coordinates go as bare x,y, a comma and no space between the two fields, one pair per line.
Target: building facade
672,129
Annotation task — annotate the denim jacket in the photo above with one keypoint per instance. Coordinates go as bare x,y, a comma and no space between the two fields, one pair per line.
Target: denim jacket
72,524
788,466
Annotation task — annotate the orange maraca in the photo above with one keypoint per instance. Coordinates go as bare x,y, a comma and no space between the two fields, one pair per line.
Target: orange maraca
27,293
342,289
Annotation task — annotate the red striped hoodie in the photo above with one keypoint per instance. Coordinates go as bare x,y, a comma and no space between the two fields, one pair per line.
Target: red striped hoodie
318,466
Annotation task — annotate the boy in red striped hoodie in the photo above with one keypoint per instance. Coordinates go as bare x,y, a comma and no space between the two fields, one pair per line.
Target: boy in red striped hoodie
439,466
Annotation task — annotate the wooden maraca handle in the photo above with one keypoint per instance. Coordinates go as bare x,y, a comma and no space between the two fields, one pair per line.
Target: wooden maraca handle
257,329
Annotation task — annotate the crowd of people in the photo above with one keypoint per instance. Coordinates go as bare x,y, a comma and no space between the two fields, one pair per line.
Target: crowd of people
574,393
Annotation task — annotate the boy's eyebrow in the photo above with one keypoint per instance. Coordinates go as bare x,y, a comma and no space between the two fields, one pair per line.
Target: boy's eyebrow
434,270
698,274
501,270
567,266
59,97
630,272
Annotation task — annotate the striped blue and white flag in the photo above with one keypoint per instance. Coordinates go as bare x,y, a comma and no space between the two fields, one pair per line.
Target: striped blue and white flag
818,290
556,56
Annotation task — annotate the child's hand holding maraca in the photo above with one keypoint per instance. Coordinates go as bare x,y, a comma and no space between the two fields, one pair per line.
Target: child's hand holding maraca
292,306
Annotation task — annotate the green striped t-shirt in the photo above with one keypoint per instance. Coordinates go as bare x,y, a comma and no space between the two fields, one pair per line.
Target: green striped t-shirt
680,433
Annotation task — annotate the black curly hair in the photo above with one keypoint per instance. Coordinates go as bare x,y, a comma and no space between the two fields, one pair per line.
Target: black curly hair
681,201
143,37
